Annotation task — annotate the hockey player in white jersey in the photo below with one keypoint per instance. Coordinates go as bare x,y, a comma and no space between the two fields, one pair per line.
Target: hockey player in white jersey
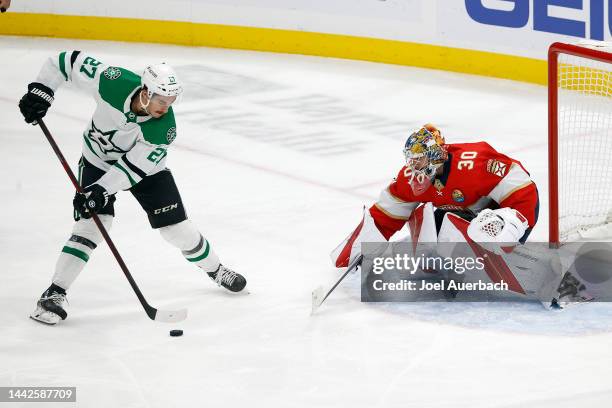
124,148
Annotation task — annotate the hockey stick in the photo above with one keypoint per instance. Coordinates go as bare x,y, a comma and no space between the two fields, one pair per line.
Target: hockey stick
153,313
319,294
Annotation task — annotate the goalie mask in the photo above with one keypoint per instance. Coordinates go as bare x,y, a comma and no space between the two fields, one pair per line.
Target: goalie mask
425,153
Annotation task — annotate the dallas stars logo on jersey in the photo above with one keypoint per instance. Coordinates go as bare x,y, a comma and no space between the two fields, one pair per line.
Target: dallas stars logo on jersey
104,140
171,134
112,73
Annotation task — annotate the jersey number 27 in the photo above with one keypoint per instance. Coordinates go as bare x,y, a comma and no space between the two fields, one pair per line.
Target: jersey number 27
90,66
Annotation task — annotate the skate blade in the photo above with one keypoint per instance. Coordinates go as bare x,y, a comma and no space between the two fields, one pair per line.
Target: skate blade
245,291
45,322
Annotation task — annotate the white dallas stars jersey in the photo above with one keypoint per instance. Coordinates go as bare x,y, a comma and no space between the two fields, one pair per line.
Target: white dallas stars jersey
128,147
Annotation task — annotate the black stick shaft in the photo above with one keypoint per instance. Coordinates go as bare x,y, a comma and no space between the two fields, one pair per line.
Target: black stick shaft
148,308
350,268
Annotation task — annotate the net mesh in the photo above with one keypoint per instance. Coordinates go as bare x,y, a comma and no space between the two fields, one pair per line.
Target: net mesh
584,144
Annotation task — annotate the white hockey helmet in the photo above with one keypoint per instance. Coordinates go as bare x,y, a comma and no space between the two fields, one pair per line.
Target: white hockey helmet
161,79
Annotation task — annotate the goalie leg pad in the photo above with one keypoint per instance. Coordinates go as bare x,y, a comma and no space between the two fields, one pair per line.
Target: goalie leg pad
455,229
350,248
423,225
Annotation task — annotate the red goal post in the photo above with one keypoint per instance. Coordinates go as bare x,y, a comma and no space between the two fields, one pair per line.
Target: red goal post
579,140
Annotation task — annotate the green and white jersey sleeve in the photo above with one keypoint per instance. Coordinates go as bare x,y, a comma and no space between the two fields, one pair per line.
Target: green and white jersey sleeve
128,147
74,67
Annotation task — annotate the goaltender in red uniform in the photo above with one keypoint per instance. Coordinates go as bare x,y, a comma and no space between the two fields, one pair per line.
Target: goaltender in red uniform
470,179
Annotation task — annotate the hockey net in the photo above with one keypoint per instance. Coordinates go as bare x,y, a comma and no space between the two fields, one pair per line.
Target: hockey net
580,141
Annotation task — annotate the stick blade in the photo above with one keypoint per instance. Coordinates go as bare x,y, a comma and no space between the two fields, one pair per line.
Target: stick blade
170,316
318,296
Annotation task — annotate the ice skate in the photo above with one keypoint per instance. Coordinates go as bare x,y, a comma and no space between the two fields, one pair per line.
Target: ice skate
228,278
50,308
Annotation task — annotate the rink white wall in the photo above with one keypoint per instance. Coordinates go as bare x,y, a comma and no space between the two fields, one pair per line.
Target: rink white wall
500,38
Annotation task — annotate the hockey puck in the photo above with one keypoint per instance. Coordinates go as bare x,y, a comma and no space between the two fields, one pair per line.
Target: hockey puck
176,333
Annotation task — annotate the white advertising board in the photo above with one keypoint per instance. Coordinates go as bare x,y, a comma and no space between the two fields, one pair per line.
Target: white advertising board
513,27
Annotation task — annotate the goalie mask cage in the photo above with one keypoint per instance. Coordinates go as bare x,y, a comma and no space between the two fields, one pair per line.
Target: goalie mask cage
580,140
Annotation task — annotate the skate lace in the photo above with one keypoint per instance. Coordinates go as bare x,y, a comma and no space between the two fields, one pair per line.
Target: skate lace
225,275
56,298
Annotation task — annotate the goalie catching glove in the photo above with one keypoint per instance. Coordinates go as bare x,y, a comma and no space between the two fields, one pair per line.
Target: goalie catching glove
492,228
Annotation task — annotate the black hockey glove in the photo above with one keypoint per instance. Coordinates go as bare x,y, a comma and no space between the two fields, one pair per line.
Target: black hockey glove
92,200
34,104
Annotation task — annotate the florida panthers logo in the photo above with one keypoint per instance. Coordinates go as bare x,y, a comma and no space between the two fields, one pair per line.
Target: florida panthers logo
496,167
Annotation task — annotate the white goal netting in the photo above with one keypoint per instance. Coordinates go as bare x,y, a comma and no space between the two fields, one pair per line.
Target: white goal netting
584,146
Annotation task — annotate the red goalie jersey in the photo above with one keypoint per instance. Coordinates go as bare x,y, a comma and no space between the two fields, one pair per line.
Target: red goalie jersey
475,176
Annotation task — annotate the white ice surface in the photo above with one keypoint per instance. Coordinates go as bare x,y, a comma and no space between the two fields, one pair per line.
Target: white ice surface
274,202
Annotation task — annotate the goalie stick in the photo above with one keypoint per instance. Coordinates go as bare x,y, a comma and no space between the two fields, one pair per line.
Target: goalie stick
169,316
320,294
